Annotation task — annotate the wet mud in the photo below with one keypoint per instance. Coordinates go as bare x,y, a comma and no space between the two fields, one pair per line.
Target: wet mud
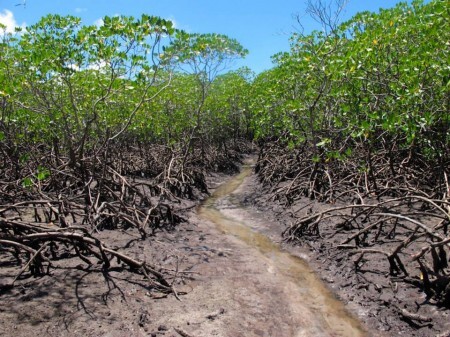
309,297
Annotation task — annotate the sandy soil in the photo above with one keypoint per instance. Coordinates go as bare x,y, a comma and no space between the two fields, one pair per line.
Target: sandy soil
234,284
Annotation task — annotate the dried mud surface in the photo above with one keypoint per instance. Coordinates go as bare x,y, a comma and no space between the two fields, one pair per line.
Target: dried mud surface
228,289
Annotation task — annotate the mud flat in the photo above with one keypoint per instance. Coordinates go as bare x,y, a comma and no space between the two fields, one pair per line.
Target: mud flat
234,281
304,303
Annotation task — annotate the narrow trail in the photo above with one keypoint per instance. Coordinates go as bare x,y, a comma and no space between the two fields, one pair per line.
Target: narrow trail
236,283
275,293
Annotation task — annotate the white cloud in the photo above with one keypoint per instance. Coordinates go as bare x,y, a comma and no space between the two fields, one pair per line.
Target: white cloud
177,25
7,19
99,22
174,22
74,66
99,65
80,10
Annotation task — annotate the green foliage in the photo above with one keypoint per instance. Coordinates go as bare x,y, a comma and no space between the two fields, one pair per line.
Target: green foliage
77,85
229,114
379,76
42,173
76,88
202,57
205,55
27,182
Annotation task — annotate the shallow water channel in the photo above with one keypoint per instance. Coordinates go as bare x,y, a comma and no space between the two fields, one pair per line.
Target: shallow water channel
323,313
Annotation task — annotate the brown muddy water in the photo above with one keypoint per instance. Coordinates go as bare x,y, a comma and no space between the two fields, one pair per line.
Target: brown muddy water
309,297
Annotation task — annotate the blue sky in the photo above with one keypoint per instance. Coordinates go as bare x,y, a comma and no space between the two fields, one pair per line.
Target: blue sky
261,26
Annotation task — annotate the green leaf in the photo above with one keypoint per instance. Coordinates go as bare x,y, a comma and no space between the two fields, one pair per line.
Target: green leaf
24,158
27,182
324,142
42,173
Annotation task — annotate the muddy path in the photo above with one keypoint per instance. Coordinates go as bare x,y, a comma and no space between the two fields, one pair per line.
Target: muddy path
237,282
276,293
